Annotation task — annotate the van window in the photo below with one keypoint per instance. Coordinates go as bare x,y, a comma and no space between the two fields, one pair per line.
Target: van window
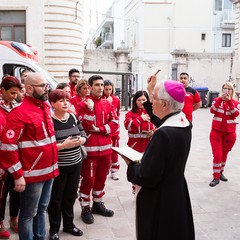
16,69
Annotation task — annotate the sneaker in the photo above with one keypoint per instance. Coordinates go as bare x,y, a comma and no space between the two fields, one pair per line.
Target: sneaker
223,178
14,224
99,208
114,176
4,234
86,215
214,182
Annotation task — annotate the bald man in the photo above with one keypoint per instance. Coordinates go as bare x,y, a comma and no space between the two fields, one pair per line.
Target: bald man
29,153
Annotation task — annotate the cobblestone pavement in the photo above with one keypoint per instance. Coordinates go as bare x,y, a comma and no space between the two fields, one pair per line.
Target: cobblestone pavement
216,210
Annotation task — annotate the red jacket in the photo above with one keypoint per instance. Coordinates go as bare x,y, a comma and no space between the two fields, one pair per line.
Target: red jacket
116,105
4,111
104,117
136,127
28,144
72,89
2,123
225,113
115,102
3,116
191,98
76,102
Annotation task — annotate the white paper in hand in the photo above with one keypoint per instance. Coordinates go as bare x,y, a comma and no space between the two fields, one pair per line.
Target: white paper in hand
128,152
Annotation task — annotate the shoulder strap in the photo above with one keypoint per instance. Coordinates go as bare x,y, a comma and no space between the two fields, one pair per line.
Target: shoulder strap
75,118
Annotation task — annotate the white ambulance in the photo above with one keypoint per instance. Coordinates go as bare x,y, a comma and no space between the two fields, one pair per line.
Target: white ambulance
16,57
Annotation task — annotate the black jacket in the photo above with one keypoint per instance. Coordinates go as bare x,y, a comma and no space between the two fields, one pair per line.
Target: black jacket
163,204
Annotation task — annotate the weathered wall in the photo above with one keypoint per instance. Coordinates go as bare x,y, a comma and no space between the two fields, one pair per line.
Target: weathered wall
100,60
205,69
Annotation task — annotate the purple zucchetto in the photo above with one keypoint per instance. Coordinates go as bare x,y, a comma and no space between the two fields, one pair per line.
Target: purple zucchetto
175,89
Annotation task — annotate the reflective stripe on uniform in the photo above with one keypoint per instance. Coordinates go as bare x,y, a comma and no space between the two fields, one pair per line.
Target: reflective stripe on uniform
98,148
115,164
40,172
82,195
217,109
138,121
230,112
85,203
217,119
43,142
108,129
129,126
15,168
84,199
115,121
97,192
89,117
44,130
9,147
230,121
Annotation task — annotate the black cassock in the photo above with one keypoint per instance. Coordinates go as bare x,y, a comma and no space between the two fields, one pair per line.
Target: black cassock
163,205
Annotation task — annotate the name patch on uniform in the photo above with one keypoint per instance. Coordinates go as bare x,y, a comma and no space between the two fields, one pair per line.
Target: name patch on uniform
10,134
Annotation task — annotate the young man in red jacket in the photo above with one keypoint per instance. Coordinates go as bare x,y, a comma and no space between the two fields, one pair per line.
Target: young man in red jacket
74,76
99,121
29,153
192,100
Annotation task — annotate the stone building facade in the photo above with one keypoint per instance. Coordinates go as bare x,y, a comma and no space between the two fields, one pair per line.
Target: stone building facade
53,27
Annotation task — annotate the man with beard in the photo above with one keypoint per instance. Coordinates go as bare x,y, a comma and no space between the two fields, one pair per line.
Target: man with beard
74,76
192,100
29,153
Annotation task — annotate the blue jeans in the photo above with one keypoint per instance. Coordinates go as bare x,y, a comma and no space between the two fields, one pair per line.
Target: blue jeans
33,205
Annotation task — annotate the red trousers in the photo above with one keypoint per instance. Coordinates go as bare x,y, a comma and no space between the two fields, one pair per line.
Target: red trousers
115,164
222,144
94,174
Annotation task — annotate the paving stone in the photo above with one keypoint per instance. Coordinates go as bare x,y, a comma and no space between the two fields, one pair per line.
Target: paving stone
216,210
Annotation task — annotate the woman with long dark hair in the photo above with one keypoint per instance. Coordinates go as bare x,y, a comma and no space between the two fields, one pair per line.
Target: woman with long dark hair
137,123
108,93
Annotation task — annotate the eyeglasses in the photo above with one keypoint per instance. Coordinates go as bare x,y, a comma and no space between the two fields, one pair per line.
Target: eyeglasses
75,76
43,85
229,89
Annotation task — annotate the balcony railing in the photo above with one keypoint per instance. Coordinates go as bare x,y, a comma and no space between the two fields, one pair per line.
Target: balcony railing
228,19
107,40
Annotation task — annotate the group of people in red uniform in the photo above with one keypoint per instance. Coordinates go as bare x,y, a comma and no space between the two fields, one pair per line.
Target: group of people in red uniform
93,103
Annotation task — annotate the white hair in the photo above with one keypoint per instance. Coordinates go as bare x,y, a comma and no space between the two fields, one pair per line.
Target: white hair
162,94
